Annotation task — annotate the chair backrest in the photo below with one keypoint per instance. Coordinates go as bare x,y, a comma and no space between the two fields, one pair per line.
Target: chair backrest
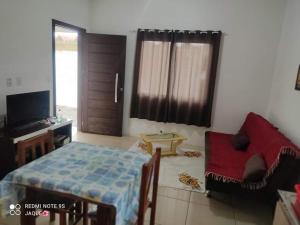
44,141
150,175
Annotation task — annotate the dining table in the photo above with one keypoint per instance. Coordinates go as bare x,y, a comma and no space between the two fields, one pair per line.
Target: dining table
106,178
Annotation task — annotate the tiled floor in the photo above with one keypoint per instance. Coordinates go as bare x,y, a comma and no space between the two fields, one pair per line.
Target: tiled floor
179,207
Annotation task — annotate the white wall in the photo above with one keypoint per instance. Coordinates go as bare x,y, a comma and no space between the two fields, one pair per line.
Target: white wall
246,65
247,58
26,44
284,109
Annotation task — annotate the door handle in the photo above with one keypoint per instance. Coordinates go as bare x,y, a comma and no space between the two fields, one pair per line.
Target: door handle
116,87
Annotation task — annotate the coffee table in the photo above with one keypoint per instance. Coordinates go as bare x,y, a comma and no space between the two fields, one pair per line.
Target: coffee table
171,140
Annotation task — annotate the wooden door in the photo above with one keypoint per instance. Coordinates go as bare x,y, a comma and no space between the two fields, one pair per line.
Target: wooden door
103,83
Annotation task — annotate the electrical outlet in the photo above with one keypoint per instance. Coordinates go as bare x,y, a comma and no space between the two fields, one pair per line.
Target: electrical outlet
8,82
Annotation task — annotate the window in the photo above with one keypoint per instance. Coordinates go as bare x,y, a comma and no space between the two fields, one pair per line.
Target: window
190,68
175,76
154,69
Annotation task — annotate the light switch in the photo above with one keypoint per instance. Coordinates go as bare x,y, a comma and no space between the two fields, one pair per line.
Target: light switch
8,82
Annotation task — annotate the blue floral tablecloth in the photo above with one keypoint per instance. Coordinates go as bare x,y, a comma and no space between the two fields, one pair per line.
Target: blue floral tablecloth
101,174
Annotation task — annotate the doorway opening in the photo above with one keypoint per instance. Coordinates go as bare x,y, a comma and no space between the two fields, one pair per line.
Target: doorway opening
66,64
66,79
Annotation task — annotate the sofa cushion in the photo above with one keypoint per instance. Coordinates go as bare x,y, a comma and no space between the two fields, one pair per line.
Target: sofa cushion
223,159
240,141
259,131
255,169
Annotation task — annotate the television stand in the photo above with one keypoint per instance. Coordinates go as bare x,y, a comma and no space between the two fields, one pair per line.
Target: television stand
8,142
61,127
27,129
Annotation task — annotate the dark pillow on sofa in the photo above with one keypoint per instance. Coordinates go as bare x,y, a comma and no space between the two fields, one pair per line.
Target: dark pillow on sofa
240,141
255,169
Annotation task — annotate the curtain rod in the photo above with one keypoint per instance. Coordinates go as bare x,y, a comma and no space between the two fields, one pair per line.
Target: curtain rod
192,31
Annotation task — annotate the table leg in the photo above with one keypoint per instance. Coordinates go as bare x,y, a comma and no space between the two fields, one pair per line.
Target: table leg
25,218
52,216
62,218
176,144
85,213
106,215
77,211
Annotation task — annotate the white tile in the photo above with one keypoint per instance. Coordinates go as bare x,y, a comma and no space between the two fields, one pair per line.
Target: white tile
170,211
174,193
252,212
246,218
210,215
11,220
147,222
216,198
15,220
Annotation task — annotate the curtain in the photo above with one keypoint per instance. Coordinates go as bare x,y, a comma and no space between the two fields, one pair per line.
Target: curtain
175,75
151,75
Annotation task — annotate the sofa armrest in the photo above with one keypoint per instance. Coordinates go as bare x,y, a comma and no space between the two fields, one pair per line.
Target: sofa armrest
285,176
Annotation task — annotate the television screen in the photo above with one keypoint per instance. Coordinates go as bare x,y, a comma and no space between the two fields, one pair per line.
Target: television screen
26,108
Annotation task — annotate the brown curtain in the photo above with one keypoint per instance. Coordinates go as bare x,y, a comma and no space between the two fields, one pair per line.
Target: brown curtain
175,75
151,75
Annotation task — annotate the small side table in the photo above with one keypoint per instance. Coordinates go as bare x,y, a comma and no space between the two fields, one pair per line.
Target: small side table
173,139
284,213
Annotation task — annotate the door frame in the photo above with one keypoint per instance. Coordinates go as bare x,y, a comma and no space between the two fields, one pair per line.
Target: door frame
80,32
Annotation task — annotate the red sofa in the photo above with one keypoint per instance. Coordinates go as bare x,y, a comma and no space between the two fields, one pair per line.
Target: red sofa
225,165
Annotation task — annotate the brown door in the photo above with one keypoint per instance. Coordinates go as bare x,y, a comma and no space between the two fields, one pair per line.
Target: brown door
103,83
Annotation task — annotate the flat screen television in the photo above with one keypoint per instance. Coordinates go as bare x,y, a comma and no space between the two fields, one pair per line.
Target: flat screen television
27,108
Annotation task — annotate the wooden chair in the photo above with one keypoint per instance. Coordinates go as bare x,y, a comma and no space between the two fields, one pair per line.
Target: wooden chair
45,144
72,207
43,141
150,173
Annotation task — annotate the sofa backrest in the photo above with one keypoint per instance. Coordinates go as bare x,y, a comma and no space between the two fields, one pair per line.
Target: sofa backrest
258,130
265,138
